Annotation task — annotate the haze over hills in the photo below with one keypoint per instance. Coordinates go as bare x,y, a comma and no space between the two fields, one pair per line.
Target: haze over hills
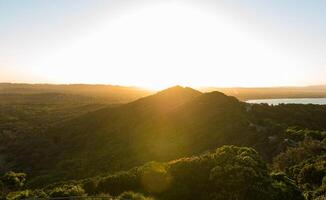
111,94
170,124
246,93
77,140
32,108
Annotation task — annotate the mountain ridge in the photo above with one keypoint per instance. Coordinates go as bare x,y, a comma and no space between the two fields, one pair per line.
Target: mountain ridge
170,124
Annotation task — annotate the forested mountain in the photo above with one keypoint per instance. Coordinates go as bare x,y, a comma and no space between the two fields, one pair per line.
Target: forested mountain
172,124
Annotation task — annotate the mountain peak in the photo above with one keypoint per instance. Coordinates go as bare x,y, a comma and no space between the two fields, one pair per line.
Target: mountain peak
179,90
216,97
166,100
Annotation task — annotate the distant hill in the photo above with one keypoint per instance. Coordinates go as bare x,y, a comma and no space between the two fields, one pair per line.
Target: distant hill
120,94
271,92
29,109
104,93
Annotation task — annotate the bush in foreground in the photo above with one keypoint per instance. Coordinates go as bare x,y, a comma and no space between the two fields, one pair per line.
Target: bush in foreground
229,173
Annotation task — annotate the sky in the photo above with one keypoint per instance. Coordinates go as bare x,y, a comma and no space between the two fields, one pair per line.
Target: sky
160,43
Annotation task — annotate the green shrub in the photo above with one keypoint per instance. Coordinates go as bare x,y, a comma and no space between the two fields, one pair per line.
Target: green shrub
67,191
284,188
229,173
19,195
133,196
13,180
90,186
118,183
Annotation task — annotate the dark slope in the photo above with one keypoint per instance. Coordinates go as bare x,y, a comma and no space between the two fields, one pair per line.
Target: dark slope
170,124
120,120
201,124
159,103
105,131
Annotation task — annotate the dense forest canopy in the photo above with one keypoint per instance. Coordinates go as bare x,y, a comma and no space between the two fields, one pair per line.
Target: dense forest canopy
179,143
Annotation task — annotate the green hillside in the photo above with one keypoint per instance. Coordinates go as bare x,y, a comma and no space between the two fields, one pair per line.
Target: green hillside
171,124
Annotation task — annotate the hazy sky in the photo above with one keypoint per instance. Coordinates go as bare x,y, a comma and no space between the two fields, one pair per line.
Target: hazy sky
161,43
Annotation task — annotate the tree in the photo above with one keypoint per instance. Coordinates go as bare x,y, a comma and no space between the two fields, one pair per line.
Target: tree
67,191
133,196
155,178
239,173
13,181
230,173
285,188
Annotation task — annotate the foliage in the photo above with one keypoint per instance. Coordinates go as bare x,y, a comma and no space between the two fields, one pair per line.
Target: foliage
310,176
294,155
239,174
229,173
303,116
67,191
305,163
25,194
18,195
90,185
155,178
117,183
76,137
284,187
133,196
298,134
13,181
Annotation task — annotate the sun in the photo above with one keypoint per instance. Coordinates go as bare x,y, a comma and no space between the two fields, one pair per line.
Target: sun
161,45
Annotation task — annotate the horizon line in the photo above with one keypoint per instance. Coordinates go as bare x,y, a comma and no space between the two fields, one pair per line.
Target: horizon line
148,88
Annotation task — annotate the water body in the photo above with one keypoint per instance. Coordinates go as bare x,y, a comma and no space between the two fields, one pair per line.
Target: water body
318,101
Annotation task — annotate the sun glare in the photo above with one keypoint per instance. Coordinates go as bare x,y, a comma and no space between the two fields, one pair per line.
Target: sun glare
168,44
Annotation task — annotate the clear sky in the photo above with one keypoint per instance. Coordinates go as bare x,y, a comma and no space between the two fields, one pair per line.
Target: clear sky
158,43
